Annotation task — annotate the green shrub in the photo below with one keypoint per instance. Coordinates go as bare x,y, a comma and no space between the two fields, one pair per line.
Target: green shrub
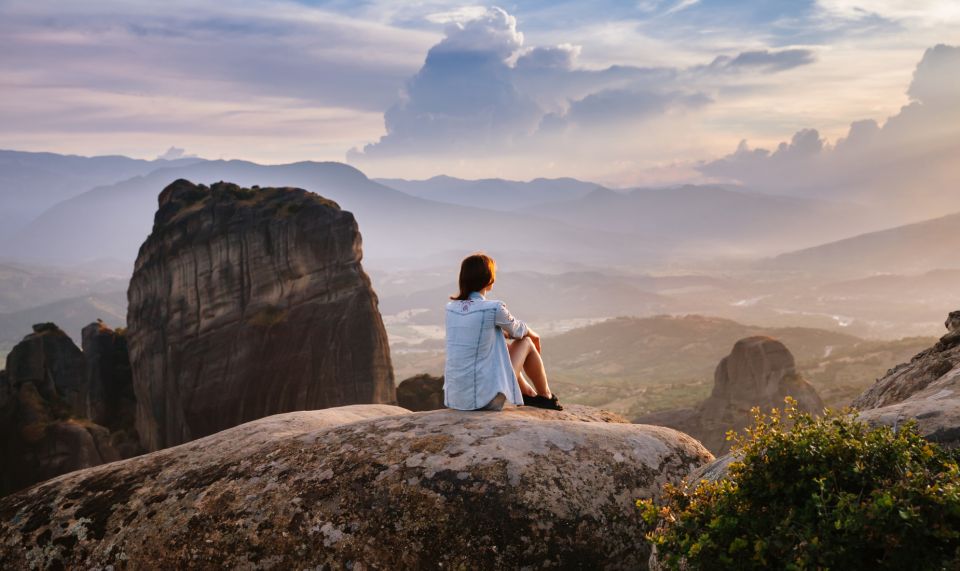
827,493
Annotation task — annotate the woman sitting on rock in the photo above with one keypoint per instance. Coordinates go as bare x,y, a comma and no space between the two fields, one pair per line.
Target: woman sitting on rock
481,370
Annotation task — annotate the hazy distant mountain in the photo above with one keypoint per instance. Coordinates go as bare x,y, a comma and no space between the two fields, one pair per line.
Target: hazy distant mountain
70,314
544,297
638,365
707,219
493,193
112,221
666,347
914,248
938,284
25,286
32,182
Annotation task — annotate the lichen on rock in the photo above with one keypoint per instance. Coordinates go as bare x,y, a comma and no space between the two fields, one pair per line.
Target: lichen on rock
372,485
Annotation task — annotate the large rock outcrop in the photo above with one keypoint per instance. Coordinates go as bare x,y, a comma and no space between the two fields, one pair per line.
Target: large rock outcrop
249,302
44,433
421,392
759,371
337,489
927,389
49,359
110,400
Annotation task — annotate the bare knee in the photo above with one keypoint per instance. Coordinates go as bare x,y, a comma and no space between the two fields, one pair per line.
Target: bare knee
521,346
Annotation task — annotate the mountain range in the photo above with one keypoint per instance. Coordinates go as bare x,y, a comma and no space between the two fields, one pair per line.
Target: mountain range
569,251
32,182
557,224
908,249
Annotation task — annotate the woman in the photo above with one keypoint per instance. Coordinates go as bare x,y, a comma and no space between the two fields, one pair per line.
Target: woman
481,370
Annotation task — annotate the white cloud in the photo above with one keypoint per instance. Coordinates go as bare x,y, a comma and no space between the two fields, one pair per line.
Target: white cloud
459,15
909,162
482,92
925,12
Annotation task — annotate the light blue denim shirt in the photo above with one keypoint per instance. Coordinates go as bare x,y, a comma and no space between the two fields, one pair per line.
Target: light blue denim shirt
478,362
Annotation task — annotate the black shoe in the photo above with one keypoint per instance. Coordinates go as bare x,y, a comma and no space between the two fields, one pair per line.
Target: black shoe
552,403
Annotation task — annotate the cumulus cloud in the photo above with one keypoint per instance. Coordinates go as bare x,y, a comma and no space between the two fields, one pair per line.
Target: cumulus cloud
909,161
463,96
549,57
482,89
619,106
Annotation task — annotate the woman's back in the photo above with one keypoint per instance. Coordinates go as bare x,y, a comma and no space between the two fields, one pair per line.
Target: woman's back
478,364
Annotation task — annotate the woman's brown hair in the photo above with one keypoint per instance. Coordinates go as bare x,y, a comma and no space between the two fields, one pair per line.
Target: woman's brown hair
477,271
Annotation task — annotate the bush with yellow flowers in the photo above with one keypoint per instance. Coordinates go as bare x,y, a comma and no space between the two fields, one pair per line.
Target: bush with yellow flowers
815,493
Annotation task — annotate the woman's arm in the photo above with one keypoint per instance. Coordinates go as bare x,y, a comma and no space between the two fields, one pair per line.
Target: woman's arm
511,326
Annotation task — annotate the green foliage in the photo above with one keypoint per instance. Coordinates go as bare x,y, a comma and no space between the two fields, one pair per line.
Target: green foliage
827,493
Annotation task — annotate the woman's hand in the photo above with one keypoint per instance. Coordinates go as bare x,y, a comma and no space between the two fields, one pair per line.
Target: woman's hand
536,340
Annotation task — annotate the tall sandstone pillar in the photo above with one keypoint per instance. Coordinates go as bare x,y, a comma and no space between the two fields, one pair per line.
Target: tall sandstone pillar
246,303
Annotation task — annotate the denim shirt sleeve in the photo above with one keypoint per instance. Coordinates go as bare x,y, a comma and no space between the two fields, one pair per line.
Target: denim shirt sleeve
513,326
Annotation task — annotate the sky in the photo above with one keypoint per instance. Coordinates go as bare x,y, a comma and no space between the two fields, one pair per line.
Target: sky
649,92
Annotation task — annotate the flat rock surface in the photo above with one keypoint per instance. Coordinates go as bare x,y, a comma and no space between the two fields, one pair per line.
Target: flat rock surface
362,487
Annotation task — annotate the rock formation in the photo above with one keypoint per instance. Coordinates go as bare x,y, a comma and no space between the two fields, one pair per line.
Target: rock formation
41,395
760,371
953,321
422,392
926,389
110,400
48,359
249,302
362,487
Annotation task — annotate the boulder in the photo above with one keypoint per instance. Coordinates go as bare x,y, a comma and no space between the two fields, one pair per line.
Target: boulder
52,362
43,433
927,389
759,371
422,392
249,302
362,487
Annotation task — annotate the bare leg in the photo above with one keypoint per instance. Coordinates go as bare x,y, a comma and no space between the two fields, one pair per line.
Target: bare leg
524,357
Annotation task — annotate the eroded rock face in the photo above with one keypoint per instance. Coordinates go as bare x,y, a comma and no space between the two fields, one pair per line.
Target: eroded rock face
399,490
759,371
953,321
422,392
50,360
246,303
926,389
110,399
44,432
